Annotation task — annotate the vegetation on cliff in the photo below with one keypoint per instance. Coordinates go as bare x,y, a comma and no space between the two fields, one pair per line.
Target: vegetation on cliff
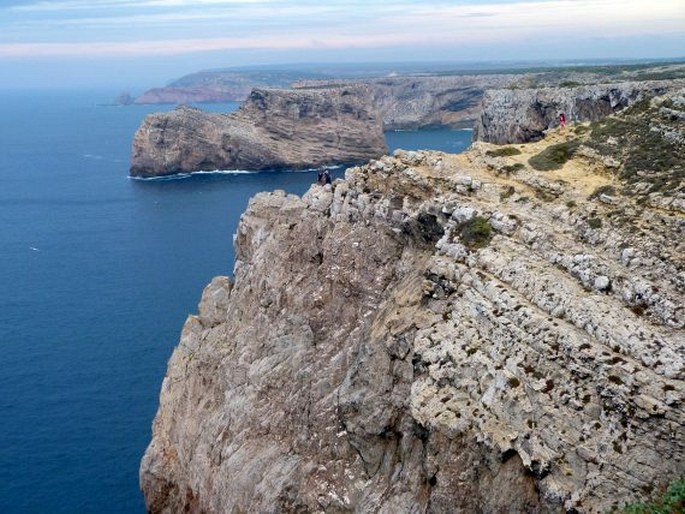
649,142
554,157
672,502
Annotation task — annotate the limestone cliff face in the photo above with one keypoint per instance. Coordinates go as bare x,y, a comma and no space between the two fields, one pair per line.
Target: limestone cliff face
521,115
432,334
426,101
273,129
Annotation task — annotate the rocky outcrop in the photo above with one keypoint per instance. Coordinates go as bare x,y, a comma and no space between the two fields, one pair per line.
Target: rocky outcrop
432,334
521,115
273,129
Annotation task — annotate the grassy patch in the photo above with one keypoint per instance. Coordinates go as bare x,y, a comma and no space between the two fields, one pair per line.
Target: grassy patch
475,233
512,168
581,129
594,223
639,138
554,157
506,151
672,502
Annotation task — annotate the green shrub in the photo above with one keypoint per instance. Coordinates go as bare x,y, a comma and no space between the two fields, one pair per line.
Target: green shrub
511,168
506,151
672,502
475,233
594,223
554,157
581,129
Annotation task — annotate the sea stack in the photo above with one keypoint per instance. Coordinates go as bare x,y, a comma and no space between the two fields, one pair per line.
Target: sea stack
274,129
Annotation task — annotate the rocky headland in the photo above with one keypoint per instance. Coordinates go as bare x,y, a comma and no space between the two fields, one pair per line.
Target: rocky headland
222,86
496,331
447,98
273,129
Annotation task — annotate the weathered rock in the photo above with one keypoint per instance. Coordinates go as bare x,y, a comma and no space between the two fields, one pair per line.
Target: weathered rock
273,129
521,115
366,359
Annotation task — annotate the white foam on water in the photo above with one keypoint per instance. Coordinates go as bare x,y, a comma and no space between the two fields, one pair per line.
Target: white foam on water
182,176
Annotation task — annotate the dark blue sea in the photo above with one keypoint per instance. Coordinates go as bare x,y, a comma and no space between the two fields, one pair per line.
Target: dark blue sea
98,273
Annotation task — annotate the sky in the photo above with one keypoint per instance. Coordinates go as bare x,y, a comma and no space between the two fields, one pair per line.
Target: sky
136,44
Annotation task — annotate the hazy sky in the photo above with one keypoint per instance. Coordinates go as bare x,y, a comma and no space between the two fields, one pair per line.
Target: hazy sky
139,43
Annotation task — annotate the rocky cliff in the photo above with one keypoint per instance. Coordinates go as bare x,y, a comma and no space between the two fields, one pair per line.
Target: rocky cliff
520,115
272,129
426,102
437,333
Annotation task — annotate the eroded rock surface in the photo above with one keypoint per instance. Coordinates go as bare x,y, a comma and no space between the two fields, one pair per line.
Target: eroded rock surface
426,101
273,129
369,357
522,115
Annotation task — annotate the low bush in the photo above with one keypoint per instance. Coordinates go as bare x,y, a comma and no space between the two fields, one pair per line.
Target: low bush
506,151
475,233
513,168
554,157
595,223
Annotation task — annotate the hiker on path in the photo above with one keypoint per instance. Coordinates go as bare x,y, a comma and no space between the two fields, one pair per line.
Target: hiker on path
562,120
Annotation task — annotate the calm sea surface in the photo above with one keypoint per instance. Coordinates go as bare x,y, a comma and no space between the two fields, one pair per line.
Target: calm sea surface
98,273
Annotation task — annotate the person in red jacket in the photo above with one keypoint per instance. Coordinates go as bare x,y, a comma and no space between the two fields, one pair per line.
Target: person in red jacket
562,120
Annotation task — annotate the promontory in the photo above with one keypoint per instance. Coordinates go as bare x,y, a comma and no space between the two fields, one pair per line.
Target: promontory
500,331
273,129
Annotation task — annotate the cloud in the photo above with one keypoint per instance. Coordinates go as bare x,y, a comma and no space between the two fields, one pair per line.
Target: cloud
66,5
169,27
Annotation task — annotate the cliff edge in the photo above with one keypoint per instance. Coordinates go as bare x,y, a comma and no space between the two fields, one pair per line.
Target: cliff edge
522,115
440,333
273,129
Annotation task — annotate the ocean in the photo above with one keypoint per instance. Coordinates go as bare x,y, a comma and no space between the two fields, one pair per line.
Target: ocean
98,273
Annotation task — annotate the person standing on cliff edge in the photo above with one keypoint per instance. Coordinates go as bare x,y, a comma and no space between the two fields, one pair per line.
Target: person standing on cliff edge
562,120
